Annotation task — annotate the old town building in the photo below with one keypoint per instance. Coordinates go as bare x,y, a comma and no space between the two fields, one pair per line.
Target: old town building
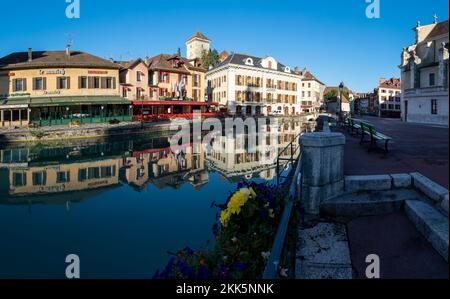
312,92
58,87
387,95
133,78
248,85
197,45
332,99
424,74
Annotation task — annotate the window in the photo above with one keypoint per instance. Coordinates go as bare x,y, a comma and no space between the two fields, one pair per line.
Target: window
39,178
96,82
82,174
109,82
93,173
19,85
63,176
63,83
434,106
82,82
138,76
309,94
107,171
19,179
38,83
125,92
138,93
196,81
397,107
431,79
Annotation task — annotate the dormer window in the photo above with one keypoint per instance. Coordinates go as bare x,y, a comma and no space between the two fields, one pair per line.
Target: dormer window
287,69
249,61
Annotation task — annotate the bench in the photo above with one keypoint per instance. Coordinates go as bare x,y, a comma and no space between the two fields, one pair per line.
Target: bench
353,126
368,129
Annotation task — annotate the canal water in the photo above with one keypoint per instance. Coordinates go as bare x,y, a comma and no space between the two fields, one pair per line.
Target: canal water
119,204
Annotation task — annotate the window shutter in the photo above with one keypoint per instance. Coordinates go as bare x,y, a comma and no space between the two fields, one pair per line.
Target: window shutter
68,82
103,82
90,82
114,82
14,85
44,83
34,83
79,82
58,82
24,84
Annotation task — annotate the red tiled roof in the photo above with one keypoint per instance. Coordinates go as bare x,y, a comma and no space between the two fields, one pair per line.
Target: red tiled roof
43,59
199,35
163,62
391,83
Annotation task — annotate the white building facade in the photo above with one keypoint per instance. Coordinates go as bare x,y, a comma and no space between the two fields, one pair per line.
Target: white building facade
389,97
312,93
424,74
248,85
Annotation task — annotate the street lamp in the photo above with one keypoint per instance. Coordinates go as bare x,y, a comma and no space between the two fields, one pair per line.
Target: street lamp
101,116
341,90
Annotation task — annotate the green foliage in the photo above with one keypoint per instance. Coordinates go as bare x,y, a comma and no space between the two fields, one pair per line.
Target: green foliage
210,58
244,236
331,93
37,134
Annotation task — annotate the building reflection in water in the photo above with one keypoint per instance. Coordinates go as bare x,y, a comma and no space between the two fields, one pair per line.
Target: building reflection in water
72,172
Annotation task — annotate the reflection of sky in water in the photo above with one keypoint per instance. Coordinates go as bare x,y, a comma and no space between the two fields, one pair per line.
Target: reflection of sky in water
119,231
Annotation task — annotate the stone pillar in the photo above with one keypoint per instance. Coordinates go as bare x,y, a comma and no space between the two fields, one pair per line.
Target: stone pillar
322,168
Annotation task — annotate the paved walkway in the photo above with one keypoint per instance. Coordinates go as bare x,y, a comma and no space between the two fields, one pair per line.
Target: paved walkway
403,251
416,147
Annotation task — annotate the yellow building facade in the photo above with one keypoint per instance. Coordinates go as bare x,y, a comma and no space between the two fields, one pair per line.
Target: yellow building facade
57,87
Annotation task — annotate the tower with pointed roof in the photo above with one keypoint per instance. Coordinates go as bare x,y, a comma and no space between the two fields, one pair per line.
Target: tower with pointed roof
196,45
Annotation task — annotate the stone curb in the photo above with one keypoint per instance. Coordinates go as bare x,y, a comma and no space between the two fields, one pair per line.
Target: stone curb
431,223
432,189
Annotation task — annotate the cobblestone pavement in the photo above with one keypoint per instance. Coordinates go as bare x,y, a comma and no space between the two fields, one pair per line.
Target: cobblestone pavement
415,147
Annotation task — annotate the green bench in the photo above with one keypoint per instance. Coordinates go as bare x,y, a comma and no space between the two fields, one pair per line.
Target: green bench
368,129
353,126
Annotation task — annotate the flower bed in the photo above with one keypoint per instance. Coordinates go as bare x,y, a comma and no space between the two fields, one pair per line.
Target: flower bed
244,232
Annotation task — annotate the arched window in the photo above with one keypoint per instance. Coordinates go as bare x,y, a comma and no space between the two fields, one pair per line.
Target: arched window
249,61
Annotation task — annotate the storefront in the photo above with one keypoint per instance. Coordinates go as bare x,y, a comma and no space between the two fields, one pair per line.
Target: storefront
64,110
171,109
14,113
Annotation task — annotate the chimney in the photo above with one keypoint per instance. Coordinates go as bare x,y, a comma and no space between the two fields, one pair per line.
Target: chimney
30,54
296,69
68,51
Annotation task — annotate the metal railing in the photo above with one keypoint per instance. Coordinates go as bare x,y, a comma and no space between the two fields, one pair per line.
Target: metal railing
290,159
273,263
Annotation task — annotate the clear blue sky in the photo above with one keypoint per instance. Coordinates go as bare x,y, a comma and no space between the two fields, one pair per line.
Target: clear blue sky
332,38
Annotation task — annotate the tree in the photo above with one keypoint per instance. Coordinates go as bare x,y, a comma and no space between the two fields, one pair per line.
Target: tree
210,58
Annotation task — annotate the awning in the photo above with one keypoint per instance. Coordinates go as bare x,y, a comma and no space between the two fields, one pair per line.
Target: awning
174,103
12,103
78,100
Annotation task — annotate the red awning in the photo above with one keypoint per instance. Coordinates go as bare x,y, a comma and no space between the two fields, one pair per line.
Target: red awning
174,103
